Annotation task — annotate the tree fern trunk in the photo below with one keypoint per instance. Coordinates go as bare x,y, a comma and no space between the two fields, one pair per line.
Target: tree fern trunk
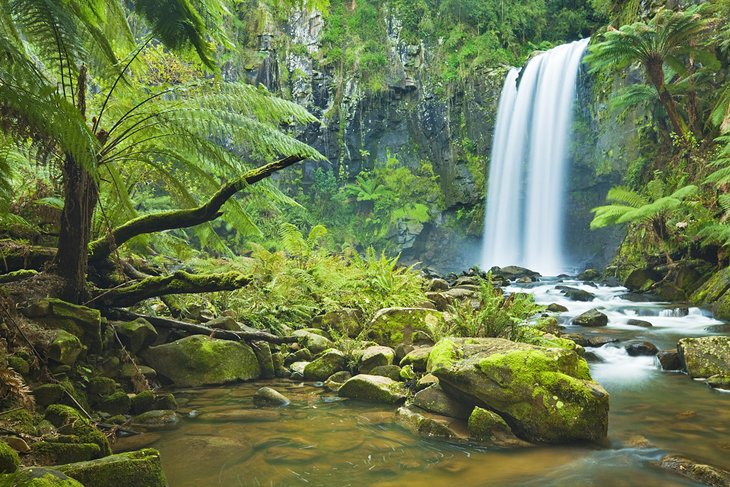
81,195
656,75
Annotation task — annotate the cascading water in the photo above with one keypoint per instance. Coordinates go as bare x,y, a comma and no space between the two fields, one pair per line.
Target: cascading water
527,176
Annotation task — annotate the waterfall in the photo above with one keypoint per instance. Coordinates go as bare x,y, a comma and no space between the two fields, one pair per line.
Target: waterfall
527,176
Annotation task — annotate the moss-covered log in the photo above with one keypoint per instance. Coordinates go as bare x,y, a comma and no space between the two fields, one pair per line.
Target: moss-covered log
193,329
169,220
178,283
15,256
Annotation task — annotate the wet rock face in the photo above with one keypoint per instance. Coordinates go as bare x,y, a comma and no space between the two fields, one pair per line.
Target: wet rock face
706,356
544,394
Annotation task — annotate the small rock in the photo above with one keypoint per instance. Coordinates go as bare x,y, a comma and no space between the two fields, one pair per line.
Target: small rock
576,294
142,467
417,358
297,370
424,424
488,427
326,364
701,473
223,323
375,356
9,460
335,381
157,419
589,275
435,400
438,285
16,443
706,356
266,396
638,348
313,341
556,308
641,323
719,381
591,318
136,335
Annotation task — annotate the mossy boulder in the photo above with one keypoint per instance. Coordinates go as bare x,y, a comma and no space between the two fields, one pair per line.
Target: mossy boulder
157,419
699,472
198,360
591,318
115,403
713,289
705,356
489,428
326,364
312,341
556,308
642,279
70,422
375,356
9,459
101,386
131,469
266,361
266,396
142,402
435,400
39,477
64,348
346,321
423,423
136,335
417,358
335,381
81,321
393,326
544,394
443,355
575,294
373,388
67,451
57,393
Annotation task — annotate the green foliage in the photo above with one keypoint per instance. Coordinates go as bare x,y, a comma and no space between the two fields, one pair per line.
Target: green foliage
293,285
493,315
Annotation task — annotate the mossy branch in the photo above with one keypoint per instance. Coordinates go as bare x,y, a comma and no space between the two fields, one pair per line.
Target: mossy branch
169,220
14,256
178,283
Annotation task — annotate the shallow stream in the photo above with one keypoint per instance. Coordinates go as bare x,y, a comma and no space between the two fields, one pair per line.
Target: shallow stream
319,440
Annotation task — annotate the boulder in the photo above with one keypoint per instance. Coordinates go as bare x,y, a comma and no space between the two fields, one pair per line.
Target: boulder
639,347
64,348
488,427
373,388
297,370
9,459
157,419
38,477
422,423
439,300
70,421
544,394
437,285
198,360
116,403
435,400
347,321
576,294
326,364
223,323
513,272
669,360
335,381
81,321
131,469
591,318
390,371
136,335
706,356
719,381
417,358
266,396
698,472
314,342
589,275
642,279
266,362
374,356
67,450
392,326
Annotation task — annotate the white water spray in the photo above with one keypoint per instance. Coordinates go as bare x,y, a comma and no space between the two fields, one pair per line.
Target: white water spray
527,176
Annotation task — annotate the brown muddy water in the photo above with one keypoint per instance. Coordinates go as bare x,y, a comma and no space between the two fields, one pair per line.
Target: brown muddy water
319,440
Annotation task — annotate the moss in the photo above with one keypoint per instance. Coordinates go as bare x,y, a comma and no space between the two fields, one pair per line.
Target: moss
65,348
9,459
443,355
199,360
70,421
39,477
534,336
484,424
329,362
143,402
58,452
132,469
116,403
136,335
373,388
393,326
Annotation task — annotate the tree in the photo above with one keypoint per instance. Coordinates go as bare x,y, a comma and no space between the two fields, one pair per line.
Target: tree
656,45
651,211
53,51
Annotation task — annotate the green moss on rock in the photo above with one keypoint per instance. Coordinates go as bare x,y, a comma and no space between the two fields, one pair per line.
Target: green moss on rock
132,469
59,452
326,364
9,459
393,326
373,388
39,477
443,355
705,356
199,360
69,421
136,335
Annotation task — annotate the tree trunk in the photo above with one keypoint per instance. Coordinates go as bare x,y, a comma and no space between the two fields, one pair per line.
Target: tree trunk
656,75
80,197
81,193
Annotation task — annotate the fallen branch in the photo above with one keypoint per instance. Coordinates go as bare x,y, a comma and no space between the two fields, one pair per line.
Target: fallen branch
179,282
14,256
169,220
192,329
